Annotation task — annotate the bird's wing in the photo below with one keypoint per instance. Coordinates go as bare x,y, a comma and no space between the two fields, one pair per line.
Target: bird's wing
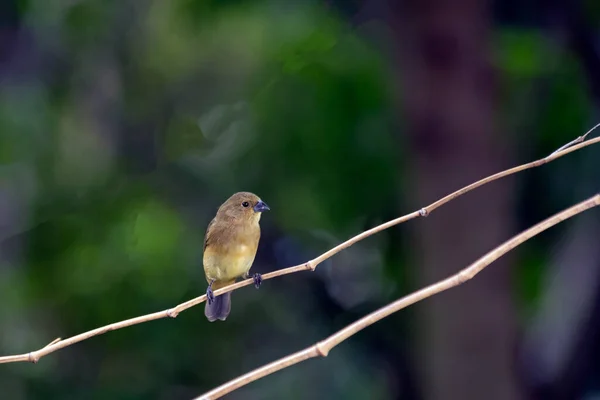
207,236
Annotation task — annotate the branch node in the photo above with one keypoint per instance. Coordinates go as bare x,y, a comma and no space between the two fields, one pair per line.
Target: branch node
462,277
172,313
310,265
566,146
32,358
574,141
423,212
53,342
321,349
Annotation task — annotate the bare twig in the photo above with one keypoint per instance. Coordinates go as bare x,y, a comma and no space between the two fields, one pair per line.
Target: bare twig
322,348
575,141
34,356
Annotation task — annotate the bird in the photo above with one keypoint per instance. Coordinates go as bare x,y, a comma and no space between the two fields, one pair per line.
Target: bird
230,245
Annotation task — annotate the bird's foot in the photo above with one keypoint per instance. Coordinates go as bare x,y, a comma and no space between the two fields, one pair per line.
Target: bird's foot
257,280
210,297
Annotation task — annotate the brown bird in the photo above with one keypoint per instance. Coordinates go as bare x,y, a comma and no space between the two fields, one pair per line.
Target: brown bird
230,246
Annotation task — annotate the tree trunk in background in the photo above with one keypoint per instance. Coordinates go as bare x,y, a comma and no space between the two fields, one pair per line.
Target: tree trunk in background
466,335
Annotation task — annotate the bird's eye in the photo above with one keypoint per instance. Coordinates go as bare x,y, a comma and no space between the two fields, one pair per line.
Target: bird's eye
245,204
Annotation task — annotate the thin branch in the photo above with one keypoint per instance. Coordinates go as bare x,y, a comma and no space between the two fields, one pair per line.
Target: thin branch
34,356
575,141
324,347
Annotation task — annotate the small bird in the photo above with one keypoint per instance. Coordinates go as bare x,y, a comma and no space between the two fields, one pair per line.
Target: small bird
230,246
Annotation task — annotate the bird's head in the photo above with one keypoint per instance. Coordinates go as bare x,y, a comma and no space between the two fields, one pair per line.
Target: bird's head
243,206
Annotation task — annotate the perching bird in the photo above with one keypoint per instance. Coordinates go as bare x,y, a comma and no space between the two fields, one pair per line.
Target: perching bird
230,245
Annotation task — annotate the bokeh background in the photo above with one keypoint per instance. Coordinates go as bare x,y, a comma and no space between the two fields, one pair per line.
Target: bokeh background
125,124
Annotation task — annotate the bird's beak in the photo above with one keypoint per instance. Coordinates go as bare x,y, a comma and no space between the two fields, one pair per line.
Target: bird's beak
261,206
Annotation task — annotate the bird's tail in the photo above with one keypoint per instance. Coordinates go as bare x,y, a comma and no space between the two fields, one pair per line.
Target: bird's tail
219,308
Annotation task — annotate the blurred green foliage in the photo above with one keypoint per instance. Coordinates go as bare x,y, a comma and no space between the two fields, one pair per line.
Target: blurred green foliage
129,101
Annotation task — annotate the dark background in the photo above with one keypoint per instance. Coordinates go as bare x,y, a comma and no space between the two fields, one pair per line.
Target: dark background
124,125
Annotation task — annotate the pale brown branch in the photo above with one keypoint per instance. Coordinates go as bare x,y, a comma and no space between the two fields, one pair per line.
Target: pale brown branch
34,356
324,347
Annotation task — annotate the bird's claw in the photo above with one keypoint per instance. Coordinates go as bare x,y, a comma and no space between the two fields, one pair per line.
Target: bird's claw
257,280
210,297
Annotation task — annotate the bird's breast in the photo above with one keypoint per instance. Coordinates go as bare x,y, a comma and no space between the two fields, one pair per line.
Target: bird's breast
229,260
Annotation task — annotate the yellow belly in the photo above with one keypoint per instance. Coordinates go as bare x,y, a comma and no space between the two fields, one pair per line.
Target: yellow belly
226,264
